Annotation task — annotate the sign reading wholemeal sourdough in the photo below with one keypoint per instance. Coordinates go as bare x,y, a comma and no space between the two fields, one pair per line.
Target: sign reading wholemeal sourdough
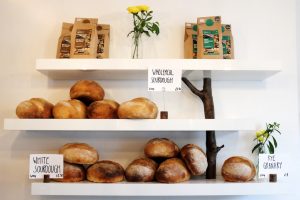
46,164
273,164
164,79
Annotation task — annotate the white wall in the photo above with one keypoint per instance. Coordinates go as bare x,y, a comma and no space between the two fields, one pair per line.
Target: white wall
263,30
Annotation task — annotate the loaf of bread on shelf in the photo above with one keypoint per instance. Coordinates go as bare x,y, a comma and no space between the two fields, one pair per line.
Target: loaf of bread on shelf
72,173
34,108
105,109
141,170
238,169
79,153
172,170
87,91
194,158
161,148
69,109
105,172
138,108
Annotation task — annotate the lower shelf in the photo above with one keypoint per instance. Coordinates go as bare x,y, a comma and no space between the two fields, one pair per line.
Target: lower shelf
190,188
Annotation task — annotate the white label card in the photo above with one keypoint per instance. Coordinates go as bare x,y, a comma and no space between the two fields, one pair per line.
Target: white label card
273,164
164,79
46,164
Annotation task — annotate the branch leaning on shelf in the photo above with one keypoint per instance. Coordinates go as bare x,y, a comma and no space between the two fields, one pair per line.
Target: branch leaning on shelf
211,145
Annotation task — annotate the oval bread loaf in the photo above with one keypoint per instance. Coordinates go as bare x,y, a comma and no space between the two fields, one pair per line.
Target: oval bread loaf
141,170
69,109
238,169
105,109
72,173
161,148
79,153
138,108
105,172
87,91
34,108
172,170
194,158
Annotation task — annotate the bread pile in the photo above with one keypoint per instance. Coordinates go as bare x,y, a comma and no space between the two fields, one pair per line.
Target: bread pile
87,101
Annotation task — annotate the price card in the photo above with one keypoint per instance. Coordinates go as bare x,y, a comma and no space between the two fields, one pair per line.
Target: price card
46,164
164,79
273,164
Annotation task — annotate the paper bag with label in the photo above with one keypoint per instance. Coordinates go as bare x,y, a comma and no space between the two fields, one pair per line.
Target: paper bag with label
64,41
84,38
209,38
103,32
227,42
190,41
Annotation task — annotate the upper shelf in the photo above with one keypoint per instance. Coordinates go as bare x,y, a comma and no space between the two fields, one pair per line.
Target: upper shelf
129,125
136,69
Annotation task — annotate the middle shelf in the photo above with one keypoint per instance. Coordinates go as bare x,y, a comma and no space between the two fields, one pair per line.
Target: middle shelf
129,124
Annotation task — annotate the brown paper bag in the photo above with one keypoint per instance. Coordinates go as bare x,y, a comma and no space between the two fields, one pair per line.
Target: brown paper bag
64,41
209,38
103,32
227,42
84,38
190,41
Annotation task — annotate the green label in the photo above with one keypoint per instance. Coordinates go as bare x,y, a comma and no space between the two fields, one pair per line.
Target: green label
195,47
226,43
211,42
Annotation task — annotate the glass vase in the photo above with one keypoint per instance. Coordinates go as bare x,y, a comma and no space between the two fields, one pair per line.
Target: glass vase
137,47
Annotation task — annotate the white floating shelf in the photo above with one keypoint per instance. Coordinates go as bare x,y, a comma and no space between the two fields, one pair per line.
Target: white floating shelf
136,69
129,125
190,188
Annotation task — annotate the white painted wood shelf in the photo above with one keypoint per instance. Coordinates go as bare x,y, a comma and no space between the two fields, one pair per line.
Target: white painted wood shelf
129,125
136,69
190,188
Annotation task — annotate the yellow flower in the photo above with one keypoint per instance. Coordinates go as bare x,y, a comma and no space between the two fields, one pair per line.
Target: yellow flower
261,135
133,9
143,7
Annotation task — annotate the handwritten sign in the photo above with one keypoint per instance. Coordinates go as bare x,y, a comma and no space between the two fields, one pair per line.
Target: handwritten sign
46,164
273,164
164,79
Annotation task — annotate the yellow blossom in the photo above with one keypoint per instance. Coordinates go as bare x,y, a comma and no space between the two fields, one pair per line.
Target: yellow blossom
261,135
133,9
143,7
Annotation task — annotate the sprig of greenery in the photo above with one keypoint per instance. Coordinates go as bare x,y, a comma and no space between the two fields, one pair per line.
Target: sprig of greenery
265,138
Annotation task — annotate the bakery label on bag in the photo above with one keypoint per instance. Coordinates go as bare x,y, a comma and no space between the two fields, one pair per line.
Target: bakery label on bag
46,164
273,164
164,79
211,42
83,41
65,47
226,42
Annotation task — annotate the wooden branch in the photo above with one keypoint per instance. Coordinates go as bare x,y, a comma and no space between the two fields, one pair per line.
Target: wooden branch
211,145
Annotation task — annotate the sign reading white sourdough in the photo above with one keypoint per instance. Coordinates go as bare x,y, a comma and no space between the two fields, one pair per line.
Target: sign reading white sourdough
46,164
273,164
164,79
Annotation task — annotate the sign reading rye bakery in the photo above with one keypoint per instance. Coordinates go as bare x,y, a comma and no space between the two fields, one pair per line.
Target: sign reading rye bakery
164,79
46,164
273,164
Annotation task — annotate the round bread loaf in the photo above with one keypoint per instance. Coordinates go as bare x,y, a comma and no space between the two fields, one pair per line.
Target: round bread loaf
105,109
238,169
69,109
87,91
141,170
72,173
172,170
138,108
105,172
34,108
79,153
161,148
194,158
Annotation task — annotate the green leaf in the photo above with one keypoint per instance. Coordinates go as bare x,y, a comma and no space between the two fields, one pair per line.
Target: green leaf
149,19
271,148
130,33
147,33
275,142
256,146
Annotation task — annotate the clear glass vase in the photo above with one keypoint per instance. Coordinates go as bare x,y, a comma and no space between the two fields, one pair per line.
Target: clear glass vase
137,47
